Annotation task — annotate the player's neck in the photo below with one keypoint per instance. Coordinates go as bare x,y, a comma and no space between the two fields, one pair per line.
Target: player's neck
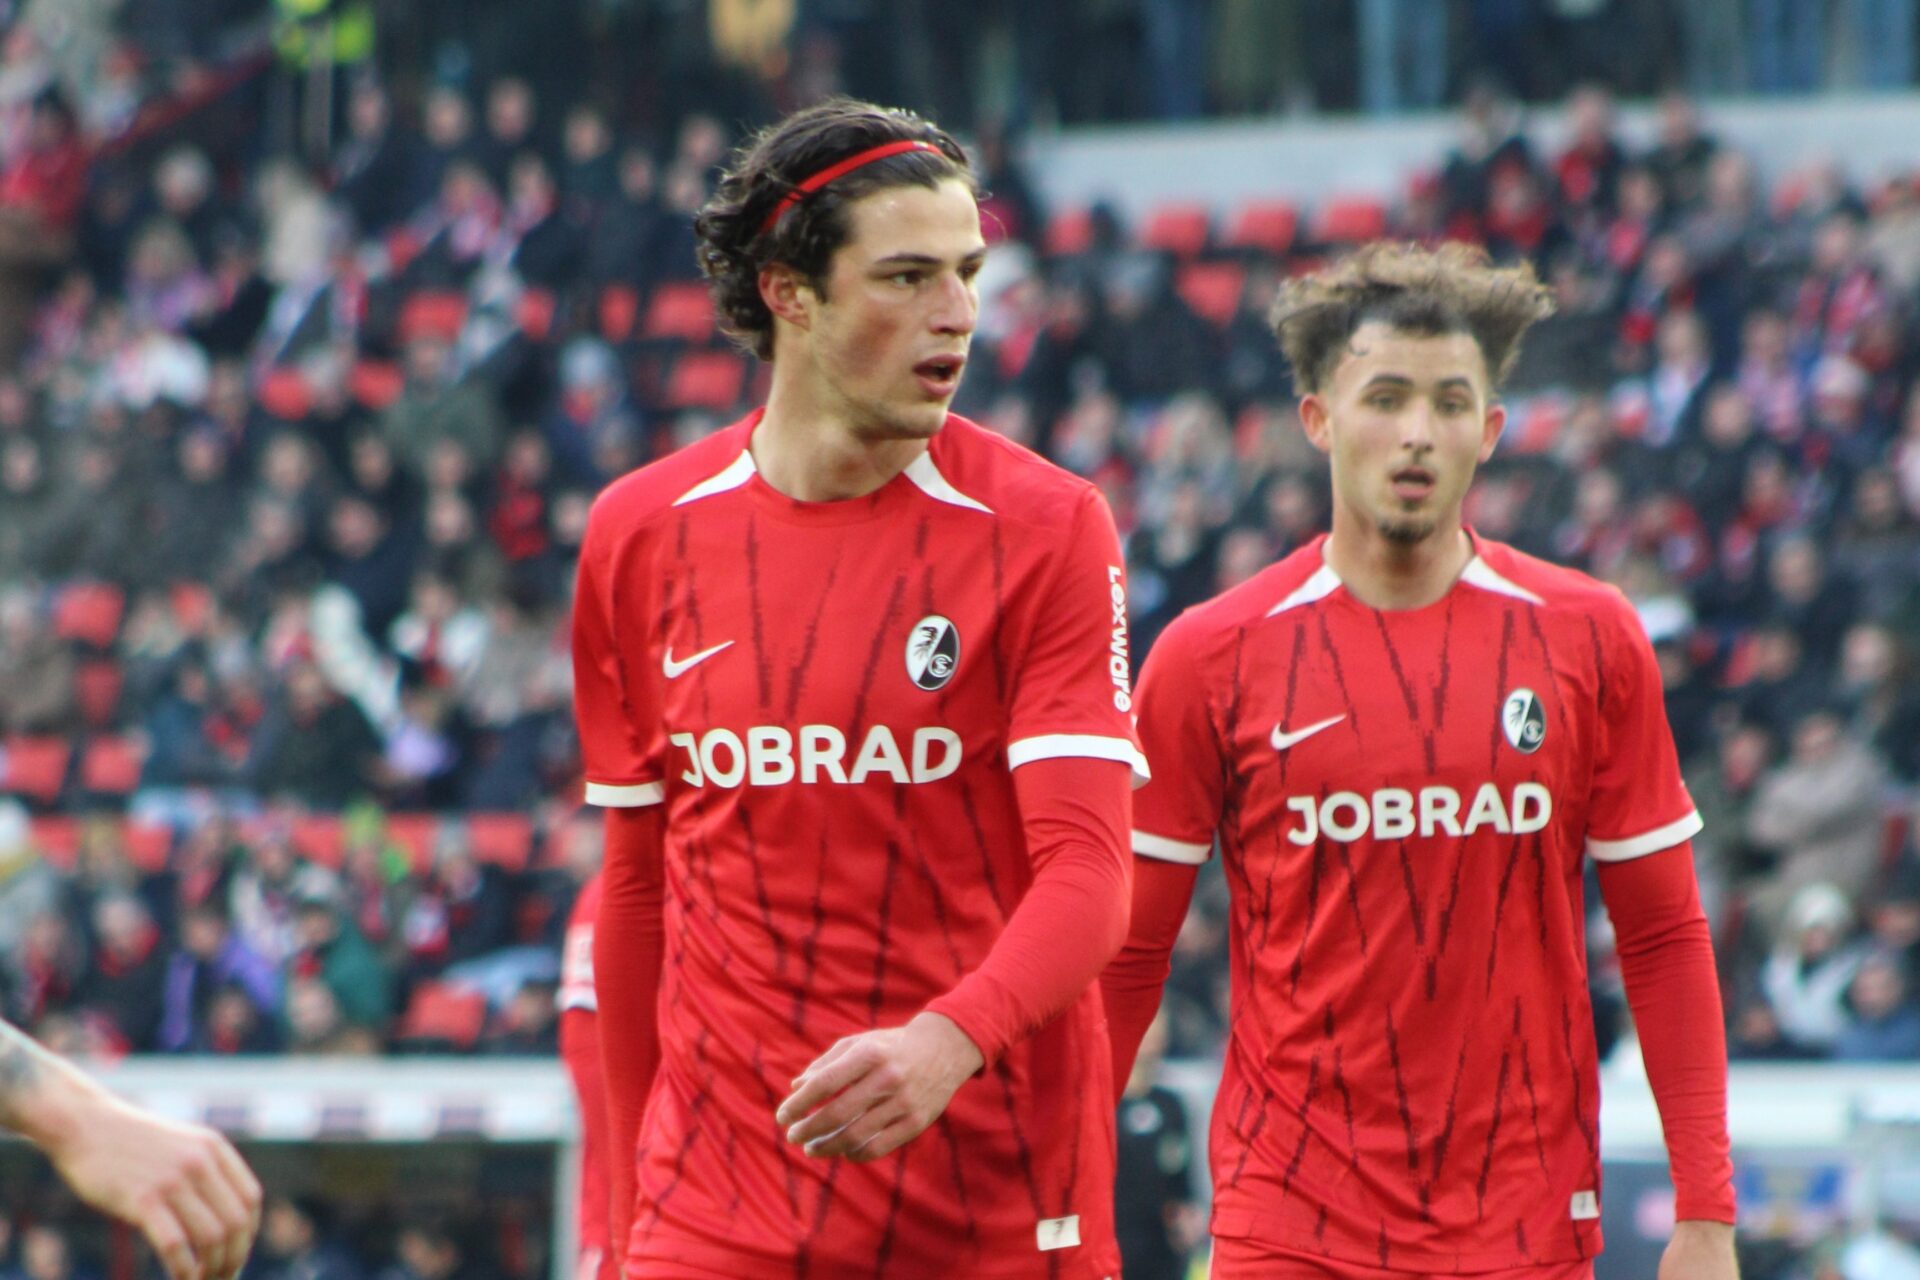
810,452
1386,574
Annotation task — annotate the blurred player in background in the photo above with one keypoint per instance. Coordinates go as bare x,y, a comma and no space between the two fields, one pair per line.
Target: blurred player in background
580,1052
1408,740
851,677
184,1187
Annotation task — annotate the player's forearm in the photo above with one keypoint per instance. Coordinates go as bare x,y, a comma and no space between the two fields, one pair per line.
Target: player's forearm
627,946
1132,983
42,1098
1073,916
1666,961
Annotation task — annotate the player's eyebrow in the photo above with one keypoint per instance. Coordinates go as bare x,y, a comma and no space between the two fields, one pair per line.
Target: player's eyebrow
1399,382
973,259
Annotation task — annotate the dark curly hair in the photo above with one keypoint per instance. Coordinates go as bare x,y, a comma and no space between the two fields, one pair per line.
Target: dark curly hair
1452,289
734,242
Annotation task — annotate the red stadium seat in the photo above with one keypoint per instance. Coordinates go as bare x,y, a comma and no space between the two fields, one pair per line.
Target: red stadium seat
97,686
1178,229
111,766
1212,289
619,309
57,839
534,313
415,833
504,839
34,767
1069,232
433,313
148,845
442,1013
89,612
1268,226
682,311
284,394
1350,220
375,384
319,838
192,606
706,380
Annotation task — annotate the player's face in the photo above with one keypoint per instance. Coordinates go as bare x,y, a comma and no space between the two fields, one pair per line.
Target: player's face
889,338
1405,419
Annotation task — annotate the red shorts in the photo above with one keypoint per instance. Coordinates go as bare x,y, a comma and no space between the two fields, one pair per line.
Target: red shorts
1250,1260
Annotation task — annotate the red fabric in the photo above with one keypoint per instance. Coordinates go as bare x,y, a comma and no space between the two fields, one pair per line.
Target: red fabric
580,1052
1131,985
1235,1259
1075,813
1666,959
626,961
51,183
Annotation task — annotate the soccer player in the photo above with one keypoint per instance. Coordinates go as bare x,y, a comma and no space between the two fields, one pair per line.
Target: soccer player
1408,741
580,1053
183,1186
851,678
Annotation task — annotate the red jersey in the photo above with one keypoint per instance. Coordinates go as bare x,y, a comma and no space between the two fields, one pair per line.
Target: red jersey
1403,802
580,1051
829,699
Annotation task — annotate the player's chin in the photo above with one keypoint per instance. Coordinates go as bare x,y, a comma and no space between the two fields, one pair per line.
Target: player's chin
1408,529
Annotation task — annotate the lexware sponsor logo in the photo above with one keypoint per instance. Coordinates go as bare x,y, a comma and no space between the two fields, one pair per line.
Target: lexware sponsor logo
1119,668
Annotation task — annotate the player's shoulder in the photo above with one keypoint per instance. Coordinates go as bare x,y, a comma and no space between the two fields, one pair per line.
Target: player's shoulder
642,494
1297,578
1008,479
1557,588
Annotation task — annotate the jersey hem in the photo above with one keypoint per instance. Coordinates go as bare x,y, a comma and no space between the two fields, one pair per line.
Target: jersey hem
635,795
1091,746
1165,850
1265,1233
1650,842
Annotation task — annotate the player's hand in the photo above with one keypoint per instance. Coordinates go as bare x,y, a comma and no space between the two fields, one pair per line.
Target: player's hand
871,1094
183,1186
1699,1250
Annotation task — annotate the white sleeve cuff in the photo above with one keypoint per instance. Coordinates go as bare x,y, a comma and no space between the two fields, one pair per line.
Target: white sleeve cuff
1641,845
1091,746
634,796
1151,846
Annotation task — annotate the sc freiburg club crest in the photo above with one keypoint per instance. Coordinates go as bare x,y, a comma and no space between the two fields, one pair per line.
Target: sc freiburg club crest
1524,721
933,651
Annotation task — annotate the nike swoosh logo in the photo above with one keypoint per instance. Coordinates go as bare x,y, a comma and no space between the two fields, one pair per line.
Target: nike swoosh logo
674,670
1282,739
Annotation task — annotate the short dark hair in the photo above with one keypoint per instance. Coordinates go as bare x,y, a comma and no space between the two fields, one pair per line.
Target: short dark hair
1452,289
735,243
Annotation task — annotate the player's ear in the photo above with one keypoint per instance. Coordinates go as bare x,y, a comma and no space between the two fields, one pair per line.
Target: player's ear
787,295
1313,419
1490,428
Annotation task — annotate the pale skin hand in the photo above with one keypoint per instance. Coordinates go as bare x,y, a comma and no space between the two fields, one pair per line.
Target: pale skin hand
871,1094
183,1186
1699,1250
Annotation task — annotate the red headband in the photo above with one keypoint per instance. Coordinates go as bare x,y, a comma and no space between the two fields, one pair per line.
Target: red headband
841,169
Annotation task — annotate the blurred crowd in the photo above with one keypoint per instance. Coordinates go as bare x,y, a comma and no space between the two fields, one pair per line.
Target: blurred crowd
295,459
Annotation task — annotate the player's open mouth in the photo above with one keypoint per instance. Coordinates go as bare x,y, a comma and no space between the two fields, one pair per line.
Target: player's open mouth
940,374
1412,483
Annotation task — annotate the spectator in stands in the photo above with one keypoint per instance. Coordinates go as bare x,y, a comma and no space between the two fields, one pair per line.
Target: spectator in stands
372,557
313,746
41,188
373,170
1819,815
211,965
36,669
459,909
330,948
1802,596
436,405
628,225
128,971
295,1245
529,1024
47,1254
434,1248
1806,975
1154,1211
1885,1026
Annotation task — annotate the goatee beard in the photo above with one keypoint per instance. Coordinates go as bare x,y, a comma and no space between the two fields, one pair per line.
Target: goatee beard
1407,532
